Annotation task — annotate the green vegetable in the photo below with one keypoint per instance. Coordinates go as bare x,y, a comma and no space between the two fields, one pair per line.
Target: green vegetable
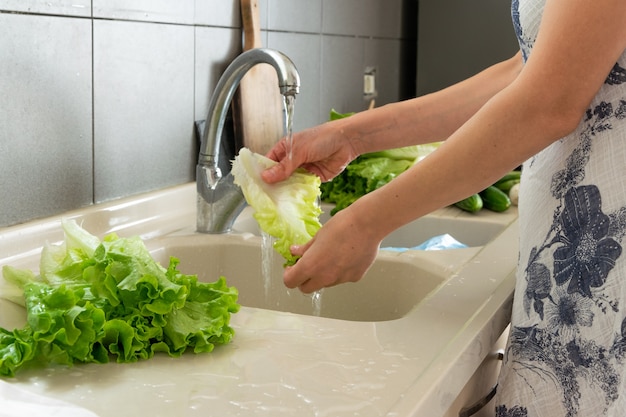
472,203
506,186
509,180
93,300
334,114
287,210
495,199
512,175
370,171
363,175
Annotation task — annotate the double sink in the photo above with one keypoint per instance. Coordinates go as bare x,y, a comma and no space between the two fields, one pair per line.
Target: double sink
394,285
403,341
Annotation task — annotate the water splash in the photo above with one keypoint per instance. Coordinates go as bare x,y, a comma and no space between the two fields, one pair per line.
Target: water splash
316,297
316,302
267,259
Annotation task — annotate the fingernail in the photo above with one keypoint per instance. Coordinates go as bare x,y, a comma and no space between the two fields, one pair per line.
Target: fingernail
268,174
295,248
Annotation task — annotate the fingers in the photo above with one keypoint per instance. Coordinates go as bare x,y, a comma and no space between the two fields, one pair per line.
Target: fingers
277,152
309,286
283,169
274,174
296,277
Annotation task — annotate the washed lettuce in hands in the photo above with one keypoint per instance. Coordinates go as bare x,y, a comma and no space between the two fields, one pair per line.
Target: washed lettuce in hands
95,300
287,210
370,171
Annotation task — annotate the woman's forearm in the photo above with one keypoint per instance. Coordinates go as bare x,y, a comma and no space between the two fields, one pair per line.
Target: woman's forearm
429,118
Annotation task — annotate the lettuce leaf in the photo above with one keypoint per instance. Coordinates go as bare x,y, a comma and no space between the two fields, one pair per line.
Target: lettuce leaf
287,210
335,115
369,171
95,300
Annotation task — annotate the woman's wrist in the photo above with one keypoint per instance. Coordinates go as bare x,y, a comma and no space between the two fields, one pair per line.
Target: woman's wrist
371,222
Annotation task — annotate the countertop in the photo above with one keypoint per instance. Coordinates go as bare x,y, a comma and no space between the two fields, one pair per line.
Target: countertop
281,363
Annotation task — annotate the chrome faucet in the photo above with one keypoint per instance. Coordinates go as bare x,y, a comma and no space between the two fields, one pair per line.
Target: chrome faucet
220,201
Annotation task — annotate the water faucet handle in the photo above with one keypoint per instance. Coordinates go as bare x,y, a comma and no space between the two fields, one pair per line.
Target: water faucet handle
207,177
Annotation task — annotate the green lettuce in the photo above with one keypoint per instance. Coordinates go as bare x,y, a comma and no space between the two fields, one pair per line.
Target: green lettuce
95,300
288,210
363,175
369,171
335,115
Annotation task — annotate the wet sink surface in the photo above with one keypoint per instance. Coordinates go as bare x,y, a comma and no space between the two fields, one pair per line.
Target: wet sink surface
398,343
473,230
395,284
390,289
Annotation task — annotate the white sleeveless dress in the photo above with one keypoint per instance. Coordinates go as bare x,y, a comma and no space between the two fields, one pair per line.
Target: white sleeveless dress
566,354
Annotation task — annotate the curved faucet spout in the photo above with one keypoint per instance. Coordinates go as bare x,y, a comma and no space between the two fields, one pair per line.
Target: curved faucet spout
219,200
288,82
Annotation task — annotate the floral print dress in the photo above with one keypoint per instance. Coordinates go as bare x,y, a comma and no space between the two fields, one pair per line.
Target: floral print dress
566,354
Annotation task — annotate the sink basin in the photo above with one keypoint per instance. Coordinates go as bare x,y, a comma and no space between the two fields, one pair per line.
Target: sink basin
401,342
395,284
471,229
390,289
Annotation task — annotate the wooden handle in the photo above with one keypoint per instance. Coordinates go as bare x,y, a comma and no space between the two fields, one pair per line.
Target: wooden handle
250,17
259,104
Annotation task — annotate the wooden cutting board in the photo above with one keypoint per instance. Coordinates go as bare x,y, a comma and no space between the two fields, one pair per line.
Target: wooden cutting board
258,108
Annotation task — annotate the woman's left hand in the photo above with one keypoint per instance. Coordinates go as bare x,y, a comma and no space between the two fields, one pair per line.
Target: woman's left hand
341,251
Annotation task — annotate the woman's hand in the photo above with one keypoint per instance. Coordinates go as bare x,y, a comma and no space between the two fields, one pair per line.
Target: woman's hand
341,251
322,150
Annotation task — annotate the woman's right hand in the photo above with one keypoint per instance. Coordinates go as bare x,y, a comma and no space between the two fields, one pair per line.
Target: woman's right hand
322,150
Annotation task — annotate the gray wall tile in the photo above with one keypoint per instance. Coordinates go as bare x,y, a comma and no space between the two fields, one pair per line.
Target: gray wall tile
362,17
143,107
342,74
217,13
152,81
385,19
56,7
385,56
305,51
458,34
180,11
45,116
215,49
264,13
344,17
295,15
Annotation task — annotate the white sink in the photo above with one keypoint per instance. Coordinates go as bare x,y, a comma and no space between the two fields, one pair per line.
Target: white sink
471,229
401,342
393,286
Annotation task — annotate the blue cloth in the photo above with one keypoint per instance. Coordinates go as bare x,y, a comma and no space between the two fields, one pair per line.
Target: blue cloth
440,242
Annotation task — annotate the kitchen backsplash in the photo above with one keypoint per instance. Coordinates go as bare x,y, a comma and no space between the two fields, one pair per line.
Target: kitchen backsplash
99,98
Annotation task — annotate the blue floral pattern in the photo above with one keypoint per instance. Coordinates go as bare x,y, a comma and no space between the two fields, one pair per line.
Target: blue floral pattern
588,253
523,41
570,280
516,411
566,276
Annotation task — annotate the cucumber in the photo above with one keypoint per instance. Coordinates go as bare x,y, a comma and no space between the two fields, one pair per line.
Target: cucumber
512,175
472,203
495,199
506,185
